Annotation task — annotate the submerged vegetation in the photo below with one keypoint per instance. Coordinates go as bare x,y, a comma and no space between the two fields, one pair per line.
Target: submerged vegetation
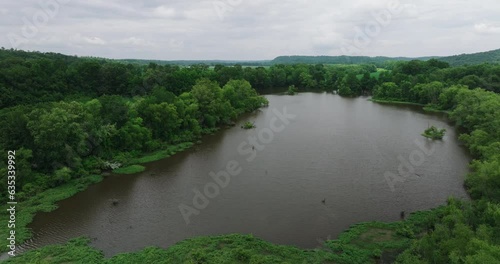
132,169
248,125
70,118
292,90
434,133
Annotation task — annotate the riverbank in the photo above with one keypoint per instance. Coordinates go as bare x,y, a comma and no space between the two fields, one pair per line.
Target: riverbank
427,108
132,166
46,201
372,242
394,102
42,202
362,243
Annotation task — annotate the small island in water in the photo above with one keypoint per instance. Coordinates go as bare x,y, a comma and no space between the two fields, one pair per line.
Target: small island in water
248,125
434,133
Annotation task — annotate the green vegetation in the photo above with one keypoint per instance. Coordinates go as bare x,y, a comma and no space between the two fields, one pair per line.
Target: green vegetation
362,243
248,125
162,154
132,169
457,60
434,133
380,101
379,61
42,202
467,232
375,75
492,56
69,118
292,90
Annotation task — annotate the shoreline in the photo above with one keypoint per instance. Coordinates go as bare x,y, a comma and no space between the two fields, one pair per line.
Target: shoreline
426,108
46,201
398,233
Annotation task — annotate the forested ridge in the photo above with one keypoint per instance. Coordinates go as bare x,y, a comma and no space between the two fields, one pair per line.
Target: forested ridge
69,118
492,56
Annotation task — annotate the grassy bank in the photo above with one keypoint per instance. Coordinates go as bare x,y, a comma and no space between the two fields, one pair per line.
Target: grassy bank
162,154
155,156
46,200
42,202
132,165
132,169
427,108
362,243
395,102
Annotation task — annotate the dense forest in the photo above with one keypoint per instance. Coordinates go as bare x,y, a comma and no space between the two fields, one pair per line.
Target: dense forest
492,56
379,61
467,232
68,118
457,60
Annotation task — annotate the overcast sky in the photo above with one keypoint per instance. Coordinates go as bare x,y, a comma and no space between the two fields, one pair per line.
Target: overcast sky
250,29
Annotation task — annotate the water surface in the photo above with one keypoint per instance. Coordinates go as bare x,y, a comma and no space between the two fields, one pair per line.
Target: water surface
336,149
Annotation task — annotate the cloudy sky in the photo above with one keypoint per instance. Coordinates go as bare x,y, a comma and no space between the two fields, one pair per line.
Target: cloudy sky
250,29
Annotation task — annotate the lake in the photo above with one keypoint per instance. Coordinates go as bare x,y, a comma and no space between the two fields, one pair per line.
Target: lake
305,179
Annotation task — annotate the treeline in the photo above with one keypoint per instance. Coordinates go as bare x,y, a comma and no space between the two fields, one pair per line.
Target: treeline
67,117
27,78
492,56
378,61
56,142
422,82
187,63
467,232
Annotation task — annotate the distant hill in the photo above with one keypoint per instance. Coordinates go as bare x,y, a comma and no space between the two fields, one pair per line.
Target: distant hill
492,56
194,62
457,60
340,59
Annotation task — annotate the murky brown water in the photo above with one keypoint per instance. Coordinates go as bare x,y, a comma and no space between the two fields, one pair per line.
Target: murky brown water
335,149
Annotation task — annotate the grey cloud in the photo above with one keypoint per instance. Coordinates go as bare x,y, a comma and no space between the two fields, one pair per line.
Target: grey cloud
258,29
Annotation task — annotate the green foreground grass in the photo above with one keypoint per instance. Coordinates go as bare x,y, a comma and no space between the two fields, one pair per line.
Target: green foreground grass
362,243
132,169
